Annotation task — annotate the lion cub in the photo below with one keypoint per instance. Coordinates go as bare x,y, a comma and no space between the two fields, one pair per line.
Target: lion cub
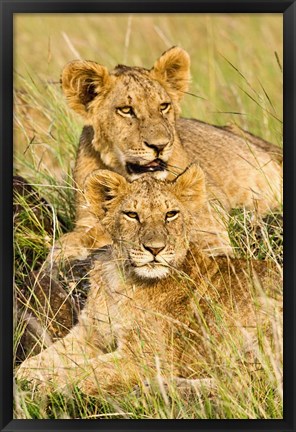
156,302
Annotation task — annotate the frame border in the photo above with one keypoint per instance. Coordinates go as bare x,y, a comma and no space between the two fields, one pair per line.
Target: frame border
7,9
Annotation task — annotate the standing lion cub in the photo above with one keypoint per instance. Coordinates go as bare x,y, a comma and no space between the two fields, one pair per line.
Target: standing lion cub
132,127
157,304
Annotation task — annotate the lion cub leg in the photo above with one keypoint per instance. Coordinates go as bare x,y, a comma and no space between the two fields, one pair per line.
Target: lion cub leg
114,373
87,236
70,363
64,362
117,373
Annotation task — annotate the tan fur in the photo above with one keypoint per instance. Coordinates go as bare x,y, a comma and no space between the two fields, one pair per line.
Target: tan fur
240,169
157,304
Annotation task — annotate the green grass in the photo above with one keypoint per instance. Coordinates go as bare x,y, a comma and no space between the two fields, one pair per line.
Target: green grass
236,79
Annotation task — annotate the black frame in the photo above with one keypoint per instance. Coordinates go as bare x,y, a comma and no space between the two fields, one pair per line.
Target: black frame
8,8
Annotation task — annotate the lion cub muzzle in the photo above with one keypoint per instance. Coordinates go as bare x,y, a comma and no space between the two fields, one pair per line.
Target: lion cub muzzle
156,149
152,258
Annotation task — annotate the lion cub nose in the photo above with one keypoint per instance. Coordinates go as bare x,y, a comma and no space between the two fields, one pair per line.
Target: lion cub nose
154,249
158,147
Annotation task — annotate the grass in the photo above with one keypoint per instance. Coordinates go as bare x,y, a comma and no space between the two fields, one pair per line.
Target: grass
236,79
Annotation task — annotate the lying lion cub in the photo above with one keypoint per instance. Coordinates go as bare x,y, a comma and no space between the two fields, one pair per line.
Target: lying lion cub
132,127
156,301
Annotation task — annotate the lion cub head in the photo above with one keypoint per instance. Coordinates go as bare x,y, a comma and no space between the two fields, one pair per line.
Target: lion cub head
132,110
149,220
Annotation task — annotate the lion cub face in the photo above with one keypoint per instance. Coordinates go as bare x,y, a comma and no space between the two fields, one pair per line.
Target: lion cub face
149,220
132,110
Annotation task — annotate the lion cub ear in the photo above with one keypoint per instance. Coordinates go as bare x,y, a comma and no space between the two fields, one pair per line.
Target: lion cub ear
81,82
172,69
103,188
190,188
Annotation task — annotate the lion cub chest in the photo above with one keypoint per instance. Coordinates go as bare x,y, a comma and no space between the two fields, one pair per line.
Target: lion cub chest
159,309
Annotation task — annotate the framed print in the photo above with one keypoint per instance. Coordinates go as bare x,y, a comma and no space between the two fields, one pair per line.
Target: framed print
147,157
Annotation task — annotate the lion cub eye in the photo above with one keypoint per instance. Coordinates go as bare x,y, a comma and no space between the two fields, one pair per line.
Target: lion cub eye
165,107
126,111
131,215
171,215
